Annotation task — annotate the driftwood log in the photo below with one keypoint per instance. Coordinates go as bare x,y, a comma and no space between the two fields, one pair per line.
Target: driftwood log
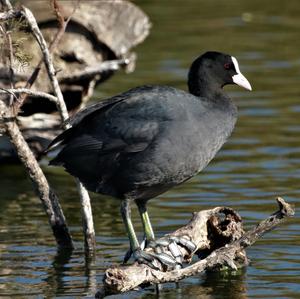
96,42
220,240
98,31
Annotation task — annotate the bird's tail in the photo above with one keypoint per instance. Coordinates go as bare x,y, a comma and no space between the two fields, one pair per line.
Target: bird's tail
59,140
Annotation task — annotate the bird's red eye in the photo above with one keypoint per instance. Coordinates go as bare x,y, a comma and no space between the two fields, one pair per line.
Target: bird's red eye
227,66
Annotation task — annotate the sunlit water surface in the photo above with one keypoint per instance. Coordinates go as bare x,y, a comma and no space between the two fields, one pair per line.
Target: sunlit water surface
260,162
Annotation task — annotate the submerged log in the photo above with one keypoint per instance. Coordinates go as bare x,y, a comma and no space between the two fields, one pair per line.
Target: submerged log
220,240
97,41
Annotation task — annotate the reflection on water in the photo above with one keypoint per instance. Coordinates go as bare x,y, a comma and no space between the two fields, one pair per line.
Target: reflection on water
260,161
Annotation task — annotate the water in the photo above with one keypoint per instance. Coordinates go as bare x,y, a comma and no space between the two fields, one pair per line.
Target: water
260,162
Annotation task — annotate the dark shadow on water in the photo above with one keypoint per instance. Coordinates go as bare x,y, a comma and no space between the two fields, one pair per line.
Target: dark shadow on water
57,276
90,274
56,272
226,284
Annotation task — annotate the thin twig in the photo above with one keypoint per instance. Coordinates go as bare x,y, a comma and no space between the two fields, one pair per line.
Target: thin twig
7,4
36,94
7,34
10,61
87,218
5,16
92,71
9,91
88,92
49,64
57,11
57,37
63,25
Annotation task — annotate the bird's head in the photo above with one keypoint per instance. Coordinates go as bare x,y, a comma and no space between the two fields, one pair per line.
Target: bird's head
213,70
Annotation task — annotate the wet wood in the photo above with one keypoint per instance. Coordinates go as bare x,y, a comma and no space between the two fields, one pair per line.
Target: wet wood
221,242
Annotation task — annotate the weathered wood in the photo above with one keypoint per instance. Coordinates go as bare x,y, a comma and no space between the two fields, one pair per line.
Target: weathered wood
220,242
98,69
9,15
48,197
90,51
86,77
87,217
98,31
36,94
119,25
61,106
6,4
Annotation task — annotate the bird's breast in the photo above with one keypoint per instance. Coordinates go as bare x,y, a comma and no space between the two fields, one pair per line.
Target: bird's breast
188,146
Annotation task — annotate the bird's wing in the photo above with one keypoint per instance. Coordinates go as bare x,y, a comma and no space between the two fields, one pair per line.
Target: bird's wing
92,149
116,135
122,124
100,107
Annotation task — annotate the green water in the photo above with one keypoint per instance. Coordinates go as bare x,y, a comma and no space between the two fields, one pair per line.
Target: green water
260,162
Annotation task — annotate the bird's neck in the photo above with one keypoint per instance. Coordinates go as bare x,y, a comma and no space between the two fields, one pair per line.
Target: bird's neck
206,87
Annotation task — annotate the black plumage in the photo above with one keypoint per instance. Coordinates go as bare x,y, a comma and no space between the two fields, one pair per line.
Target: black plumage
141,143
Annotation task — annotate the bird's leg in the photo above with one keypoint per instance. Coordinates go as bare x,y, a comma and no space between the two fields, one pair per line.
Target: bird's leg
126,215
149,239
148,230
169,242
135,249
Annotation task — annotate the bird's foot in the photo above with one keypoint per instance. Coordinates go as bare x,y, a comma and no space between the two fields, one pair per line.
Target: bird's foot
127,256
151,259
160,247
171,244
148,258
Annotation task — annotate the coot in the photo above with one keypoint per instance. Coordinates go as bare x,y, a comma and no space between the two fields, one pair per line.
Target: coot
139,144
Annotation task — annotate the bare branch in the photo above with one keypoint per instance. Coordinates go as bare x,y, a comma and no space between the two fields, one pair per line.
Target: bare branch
11,14
6,33
10,61
285,210
48,197
91,72
36,94
124,278
59,34
89,232
87,218
49,65
6,4
57,11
